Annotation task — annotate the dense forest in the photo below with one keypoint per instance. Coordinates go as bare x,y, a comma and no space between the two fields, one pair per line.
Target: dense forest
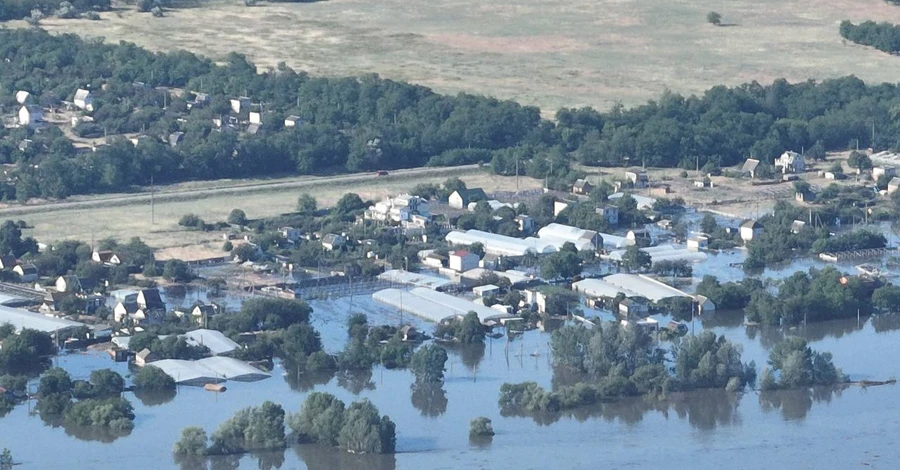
882,36
366,123
18,9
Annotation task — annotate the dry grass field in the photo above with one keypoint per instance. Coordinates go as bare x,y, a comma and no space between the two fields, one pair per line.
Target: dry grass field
550,54
128,215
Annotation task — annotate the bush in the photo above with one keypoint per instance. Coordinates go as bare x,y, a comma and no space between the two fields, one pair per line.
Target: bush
237,217
192,442
480,427
227,246
153,378
192,221
714,18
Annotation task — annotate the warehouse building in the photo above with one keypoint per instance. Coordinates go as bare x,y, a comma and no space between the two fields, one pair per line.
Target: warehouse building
437,306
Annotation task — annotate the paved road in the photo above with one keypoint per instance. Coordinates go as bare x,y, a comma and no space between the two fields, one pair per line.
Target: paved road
186,194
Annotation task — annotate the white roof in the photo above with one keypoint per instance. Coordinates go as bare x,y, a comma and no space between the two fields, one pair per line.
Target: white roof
7,299
415,279
600,288
662,253
216,341
20,319
559,234
615,241
485,288
122,341
512,275
435,306
643,286
500,244
643,202
210,370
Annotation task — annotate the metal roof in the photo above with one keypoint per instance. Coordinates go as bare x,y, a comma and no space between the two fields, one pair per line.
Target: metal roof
435,306
415,279
644,286
209,370
216,341
35,321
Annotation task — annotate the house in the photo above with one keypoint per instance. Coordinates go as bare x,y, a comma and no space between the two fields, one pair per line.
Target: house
750,229
200,100
254,129
462,261
750,167
410,333
637,178
239,104
84,100
27,272
610,213
460,199
292,121
202,313
402,208
30,115
139,139
333,241
704,305
290,234
797,226
559,206
633,307
22,97
52,300
124,310
255,117
68,283
640,237
893,185
886,171
582,186
486,290
175,138
697,243
526,223
144,357
434,260
830,175
106,257
7,262
150,299
791,162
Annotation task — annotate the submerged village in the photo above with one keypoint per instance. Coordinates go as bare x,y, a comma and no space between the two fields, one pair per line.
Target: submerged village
619,285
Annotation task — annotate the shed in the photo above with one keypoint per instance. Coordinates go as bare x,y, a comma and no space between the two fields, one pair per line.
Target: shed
629,307
486,290
150,299
582,186
175,138
333,241
30,115
22,97
750,166
698,242
704,305
68,283
240,104
292,121
462,260
144,357
7,261
84,100
27,272
750,229
797,226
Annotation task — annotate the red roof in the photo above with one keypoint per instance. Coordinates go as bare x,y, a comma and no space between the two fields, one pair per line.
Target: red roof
460,253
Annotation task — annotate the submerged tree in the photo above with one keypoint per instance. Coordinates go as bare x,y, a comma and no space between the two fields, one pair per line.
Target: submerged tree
480,427
192,442
427,364
366,431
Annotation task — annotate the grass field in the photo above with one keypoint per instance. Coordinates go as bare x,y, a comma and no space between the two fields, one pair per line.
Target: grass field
128,215
550,54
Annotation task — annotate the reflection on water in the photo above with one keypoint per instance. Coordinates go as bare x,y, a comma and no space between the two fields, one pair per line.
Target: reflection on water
355,381
481,442
795,404
302,381
429,398
155,397
886,323
325,458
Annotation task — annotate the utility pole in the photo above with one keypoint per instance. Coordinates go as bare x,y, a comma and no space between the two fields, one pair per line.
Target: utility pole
517,175
152,203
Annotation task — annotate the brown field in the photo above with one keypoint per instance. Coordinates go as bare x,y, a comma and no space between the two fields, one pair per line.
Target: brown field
550,54
122,216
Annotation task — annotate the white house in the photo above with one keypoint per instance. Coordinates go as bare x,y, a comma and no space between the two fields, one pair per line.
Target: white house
697,243
84,100
26,272
704,305
791,162
750,229
400,209
434,260
333,241
255,117
886,170
240,104
69,283
750,167
462,261
526,223
559,206
106,257
292,121
637,178
30,115
460,199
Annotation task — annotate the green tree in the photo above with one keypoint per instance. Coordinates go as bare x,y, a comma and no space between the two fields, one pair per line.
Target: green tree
237,217
714,18
635,259
177,271
252,428
192,442
306,204
708,224
6,460
365,431
471,331
886,298
859,161
564,264
427,363
106,382
153,378
321,419
349,203
480,427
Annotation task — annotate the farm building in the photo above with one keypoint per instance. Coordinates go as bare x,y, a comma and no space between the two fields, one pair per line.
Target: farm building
210,370
437,306
216,341
21,319
631,285
662,252
399,276
559,235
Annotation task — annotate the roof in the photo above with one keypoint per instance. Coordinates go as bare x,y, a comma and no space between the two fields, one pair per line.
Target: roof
28,268
460,253
332,238
210,370
436,306
415,279
514,277
663,252
144,353
560,234
470,193
151,297
643,202
750,165
644,286
486,288
34,321
82,94
33,109
500,244
581,183
292,118
750,223
895,181
216,341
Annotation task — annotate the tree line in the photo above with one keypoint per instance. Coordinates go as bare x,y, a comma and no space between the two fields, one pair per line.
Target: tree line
18,9
882,36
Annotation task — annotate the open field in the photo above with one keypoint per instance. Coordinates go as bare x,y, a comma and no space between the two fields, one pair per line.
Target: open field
550,54
122,216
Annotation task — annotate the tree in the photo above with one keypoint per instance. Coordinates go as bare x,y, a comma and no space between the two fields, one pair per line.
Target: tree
237,217
306,204
564,264
177,271
192,442
25,352
427,363
714,18
320,420
708,224
106,382
299,341
349,203
6,460
115,413
365,431
252,428
480,427
152,378
635,259
859,161
470,331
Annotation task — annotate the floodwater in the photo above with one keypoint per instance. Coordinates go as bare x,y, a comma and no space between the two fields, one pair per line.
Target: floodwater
821,428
